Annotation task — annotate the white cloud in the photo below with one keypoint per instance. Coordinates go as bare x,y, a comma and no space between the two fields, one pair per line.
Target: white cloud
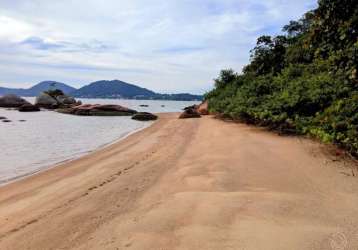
14,30
173,46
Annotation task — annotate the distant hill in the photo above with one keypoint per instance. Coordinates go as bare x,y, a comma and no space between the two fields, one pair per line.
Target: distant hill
38,88
120,89
102,89
46,85
112,89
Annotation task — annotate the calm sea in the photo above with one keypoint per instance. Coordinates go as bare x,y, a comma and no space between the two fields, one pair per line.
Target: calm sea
46,138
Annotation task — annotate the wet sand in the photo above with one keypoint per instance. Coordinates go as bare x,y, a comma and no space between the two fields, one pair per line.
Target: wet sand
188,184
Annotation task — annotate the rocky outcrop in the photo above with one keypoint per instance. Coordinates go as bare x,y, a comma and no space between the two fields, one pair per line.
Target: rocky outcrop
203,108
191,107
98,110
66,100
46,101
28,107
12,101
195,111
6,120
144,116
3,118
189,113
54,99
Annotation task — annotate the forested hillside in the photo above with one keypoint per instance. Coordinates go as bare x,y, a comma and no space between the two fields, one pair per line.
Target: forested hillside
304,81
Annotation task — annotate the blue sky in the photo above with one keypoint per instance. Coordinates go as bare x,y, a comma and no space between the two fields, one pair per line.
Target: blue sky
167,46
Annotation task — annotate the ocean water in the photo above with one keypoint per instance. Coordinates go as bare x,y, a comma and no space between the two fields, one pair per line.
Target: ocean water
46,138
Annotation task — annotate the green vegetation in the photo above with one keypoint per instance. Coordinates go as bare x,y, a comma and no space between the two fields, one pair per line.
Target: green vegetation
54,92
302,82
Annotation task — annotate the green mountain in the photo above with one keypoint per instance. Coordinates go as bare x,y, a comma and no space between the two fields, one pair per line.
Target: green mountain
112,89
119,89
102,89
38,88
304,81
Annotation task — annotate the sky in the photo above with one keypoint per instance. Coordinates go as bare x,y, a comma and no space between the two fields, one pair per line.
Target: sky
168,46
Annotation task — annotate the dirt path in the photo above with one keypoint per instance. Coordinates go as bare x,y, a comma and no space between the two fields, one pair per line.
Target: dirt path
188,184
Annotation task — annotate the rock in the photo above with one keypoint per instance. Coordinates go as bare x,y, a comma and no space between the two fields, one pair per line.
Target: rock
162,106
144,116
29,108
189,113
66,100
143,105
22,120
203,108
12,101
54,99
3,118
6,120
46,101
98,110
191,107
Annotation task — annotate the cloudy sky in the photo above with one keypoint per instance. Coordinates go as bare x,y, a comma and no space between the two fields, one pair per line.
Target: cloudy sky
167,46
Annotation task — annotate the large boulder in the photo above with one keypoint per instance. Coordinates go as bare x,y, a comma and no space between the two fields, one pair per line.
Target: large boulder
191,107
144,116
66,100
12,101
46,101
203,108
98,110
54,99
189,113
28,107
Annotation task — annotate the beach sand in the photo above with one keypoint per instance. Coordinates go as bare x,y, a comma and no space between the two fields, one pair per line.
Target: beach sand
188,184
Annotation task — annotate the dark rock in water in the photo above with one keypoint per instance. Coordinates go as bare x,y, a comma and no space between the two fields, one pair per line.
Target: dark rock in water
144,116
6,120
98,110
12,101
143,105
22,120
54,99
29,108
3,118
189,113
162,106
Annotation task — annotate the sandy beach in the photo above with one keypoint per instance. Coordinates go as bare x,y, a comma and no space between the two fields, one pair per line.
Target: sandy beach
188,184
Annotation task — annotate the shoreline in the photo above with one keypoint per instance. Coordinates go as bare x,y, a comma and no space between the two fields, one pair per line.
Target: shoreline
186,184
49,166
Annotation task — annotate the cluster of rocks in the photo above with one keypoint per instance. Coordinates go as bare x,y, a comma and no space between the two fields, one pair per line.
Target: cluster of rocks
98,110
55,99
107,110
58,101
195,111
52,99
13,101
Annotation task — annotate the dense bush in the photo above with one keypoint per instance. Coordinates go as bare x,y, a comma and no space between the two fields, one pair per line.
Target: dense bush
304,81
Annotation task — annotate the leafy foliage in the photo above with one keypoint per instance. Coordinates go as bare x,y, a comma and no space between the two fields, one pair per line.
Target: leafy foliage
304,81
